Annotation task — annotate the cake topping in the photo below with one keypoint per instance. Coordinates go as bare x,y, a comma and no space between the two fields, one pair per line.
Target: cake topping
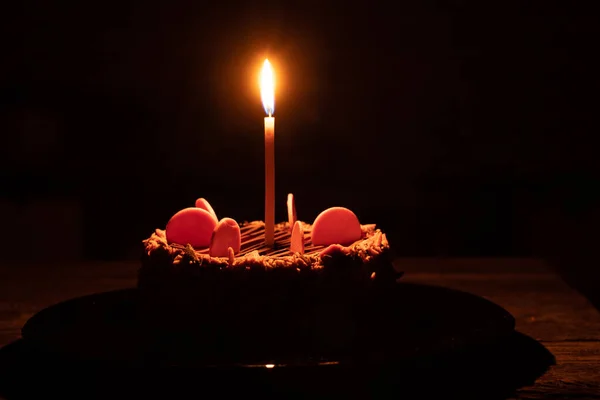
225,236
205,205
193,226
297,240
231,255
291,209
331,250
336,225
254,253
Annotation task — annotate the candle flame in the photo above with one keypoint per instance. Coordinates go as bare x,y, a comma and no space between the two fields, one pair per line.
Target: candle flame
267,88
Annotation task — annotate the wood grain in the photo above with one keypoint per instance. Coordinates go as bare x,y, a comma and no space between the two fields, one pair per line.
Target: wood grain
545,307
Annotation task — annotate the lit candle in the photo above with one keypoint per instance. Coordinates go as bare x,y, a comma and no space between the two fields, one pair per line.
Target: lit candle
267,92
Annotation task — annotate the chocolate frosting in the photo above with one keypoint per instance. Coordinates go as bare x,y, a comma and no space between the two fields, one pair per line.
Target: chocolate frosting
254,253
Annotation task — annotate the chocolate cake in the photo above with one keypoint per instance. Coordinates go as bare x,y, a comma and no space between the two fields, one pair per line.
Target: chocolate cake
259,289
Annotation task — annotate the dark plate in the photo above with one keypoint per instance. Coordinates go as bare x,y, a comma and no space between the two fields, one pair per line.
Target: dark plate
494,371
409,325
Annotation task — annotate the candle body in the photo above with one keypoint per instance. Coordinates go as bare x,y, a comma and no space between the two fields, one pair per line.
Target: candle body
269,181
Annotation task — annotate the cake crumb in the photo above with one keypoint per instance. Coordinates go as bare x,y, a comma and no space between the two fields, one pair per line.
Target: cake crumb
231,256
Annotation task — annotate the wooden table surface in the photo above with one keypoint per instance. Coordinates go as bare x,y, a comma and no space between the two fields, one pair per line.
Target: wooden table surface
544,307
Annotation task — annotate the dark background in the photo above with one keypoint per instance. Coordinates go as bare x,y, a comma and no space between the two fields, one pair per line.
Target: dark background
462,130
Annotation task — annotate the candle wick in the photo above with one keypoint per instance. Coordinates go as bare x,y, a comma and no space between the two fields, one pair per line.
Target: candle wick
269,114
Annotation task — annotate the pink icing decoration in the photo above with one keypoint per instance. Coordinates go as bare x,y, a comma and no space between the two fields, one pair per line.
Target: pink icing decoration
336,225
291,209
297,241
205,205
193,226
331,250
226,235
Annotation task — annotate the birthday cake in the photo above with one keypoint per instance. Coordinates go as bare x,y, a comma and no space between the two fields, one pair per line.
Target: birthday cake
205,275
